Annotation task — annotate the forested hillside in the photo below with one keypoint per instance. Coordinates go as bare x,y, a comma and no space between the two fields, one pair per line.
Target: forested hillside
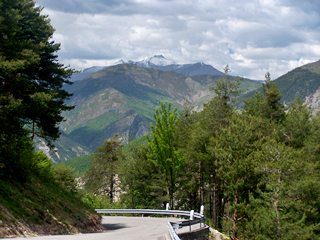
302,82
256,171
121,99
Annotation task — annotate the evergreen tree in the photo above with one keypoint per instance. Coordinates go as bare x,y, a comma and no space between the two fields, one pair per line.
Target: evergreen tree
217,115
296,124
141,180
101,177
31,78
274,109
268,105
231,150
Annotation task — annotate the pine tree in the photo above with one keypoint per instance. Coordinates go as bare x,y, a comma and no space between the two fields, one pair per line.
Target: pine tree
141,181
101,177
268,104
31,78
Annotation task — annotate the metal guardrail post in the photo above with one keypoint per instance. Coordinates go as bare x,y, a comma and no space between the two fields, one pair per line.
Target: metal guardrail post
201,209
202,213
191,218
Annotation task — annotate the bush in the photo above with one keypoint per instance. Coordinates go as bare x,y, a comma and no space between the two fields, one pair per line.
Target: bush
41,165
65,177
98,201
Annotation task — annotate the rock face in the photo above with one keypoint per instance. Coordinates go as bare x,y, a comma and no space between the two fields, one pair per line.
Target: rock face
313,101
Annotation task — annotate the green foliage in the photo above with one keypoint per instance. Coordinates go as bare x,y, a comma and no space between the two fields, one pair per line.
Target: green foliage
46,207
16,158
297,124
65,177
98,201
31,77
141,180
31,94
231,150
79,164
101,176
256,171
162,150
268,105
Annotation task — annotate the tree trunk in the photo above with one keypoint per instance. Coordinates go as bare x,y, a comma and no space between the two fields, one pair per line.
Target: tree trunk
171,188
201,183
235,218
111,187
276,205
216,201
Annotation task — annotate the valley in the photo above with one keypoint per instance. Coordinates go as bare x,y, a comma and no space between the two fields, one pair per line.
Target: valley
121,99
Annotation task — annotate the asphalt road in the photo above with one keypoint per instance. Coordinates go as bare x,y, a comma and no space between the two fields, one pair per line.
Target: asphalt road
121,228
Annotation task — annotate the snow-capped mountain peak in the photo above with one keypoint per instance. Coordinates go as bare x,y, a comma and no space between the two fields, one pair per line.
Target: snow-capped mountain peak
158,60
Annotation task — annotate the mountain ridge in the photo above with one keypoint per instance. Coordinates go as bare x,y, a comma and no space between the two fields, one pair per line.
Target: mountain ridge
121,99
158,62
302,82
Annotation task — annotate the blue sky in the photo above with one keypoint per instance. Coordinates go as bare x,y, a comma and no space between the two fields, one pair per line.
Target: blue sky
253,37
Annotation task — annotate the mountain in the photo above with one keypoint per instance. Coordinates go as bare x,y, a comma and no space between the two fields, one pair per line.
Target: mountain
302,82
121,99
65,148
156,60
161,63
85,73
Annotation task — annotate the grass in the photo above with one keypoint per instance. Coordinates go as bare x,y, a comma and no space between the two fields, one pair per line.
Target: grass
142,107
102,121
79,164
43,207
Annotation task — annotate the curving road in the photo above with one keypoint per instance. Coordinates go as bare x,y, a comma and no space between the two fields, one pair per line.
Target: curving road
121,228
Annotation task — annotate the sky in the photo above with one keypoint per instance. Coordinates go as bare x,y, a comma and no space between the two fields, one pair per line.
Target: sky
252,37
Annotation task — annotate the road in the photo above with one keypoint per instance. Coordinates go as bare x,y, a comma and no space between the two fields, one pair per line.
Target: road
120,228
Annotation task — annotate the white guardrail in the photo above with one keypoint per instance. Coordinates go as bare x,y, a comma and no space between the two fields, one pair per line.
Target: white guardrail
194,217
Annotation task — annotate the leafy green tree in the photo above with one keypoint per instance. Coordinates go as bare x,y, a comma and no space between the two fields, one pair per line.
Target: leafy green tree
141,180
162,150
31,78
65,176
102,174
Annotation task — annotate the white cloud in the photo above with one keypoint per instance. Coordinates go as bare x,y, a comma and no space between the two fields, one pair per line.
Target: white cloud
251,36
